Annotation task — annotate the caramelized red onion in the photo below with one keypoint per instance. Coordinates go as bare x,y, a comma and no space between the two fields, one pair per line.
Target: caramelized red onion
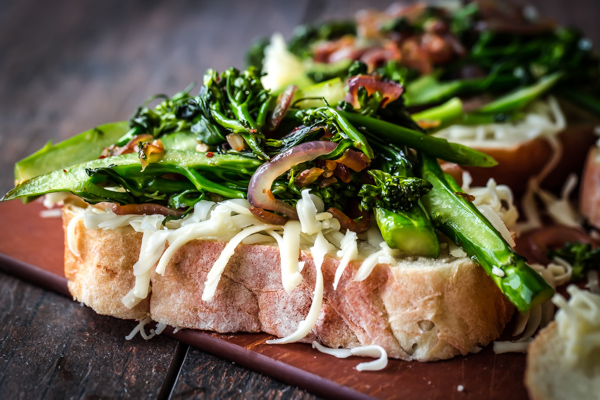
140,209
308,176
283,103
267,216
343,173
327,182
536,243
349,224
354,160
375,57
390,91
259,188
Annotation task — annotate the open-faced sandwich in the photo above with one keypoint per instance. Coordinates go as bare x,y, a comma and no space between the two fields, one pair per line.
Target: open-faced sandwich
233,210
315,207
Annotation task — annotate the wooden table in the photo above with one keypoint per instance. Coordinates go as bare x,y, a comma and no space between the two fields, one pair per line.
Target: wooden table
66,66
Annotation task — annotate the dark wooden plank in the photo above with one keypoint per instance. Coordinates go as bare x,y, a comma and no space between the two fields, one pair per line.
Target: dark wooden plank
52,347
204,376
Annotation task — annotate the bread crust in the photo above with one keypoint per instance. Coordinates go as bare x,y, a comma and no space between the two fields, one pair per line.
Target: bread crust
518,163
422,309
589,198
548,377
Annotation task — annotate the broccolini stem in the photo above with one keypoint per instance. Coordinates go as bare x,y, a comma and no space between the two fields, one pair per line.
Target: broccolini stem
360,142
430,145
460,220
203,184
263,111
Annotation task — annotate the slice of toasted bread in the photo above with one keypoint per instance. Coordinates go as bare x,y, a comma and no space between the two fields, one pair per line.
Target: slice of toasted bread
549,377
422,309
589,198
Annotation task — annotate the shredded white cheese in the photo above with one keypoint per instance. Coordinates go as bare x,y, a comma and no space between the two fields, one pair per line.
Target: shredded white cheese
348,252
363,351
530,208
319,250
139,328
382,256
71,241
214,275
593,284
290,252
307,213
55,199
555,274
543,118
511,347
496,203
578,323
52,213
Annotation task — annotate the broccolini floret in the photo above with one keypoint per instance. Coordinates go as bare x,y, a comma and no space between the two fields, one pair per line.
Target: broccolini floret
392,192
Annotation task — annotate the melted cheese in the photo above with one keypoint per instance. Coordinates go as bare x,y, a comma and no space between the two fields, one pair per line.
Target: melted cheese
543,118
71,241
290,251
319,250
496,203
307,213
348,252
593,284
363,351
578,323
382,256
214,275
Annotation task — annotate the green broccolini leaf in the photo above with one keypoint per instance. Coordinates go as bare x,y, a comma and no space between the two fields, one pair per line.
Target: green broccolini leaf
580,255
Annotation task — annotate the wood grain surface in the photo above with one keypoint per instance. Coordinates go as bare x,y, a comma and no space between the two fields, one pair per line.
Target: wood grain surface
66,66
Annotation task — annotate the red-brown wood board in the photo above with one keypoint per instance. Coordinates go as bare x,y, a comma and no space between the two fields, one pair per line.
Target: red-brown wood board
28,241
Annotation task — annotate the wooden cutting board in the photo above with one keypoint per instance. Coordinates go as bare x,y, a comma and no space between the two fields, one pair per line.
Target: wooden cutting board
32,247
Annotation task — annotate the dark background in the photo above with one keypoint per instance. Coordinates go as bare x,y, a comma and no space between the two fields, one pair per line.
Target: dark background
66,66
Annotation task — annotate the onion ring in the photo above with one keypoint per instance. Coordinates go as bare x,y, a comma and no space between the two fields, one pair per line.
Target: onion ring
259,188
390,91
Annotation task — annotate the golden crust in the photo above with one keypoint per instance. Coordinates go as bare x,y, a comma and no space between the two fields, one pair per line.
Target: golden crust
102,274
589,198
422,309
518,163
